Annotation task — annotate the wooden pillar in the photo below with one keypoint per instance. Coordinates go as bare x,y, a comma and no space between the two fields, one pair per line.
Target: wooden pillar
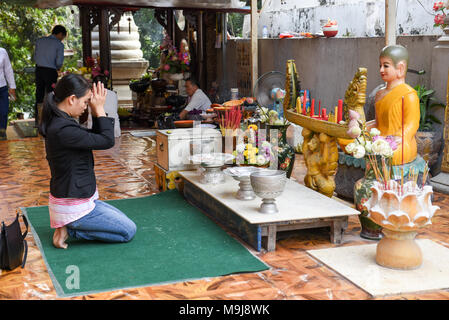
254,49
200,39
85,23
390,22
105,41
223,15
170,25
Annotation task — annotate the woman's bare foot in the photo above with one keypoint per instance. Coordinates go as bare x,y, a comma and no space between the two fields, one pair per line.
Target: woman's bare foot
59,238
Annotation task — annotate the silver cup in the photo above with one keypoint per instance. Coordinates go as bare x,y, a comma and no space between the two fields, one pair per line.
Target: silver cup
268,185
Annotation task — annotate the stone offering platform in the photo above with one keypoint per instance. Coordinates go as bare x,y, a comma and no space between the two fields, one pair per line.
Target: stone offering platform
299,208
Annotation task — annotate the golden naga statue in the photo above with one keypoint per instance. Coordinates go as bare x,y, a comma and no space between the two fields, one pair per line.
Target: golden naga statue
292,86
355,95
321,156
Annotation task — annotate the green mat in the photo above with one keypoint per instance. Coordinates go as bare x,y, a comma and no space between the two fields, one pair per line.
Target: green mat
174,242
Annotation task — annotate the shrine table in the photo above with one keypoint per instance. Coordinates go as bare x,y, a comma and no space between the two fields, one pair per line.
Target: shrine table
299,208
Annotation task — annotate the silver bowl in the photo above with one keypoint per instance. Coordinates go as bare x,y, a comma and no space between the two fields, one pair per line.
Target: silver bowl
212,163
268,185
242,174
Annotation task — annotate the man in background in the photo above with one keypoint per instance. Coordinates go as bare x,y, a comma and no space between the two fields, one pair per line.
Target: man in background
6,80
197,100
49,57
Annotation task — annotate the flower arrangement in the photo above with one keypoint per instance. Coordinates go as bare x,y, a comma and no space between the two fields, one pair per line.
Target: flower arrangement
172,60
91,70
247,153
438,8
271,117
368,143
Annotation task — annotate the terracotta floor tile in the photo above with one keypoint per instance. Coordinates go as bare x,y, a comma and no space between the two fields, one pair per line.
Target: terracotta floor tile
126,170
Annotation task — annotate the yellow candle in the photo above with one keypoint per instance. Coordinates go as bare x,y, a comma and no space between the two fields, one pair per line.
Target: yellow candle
336,111
298,105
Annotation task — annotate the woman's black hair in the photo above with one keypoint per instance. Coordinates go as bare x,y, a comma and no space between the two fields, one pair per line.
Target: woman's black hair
71,84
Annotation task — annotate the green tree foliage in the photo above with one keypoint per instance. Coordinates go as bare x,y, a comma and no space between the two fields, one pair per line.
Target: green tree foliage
151,35
235,24
20,26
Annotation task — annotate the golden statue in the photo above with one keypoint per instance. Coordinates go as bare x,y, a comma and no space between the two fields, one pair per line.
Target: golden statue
320,137
355,95
292,86
321,156
389,100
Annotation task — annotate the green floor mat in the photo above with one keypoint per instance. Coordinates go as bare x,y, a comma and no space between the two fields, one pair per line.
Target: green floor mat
174,242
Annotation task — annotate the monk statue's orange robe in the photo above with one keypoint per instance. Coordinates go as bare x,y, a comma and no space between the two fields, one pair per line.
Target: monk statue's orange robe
389,120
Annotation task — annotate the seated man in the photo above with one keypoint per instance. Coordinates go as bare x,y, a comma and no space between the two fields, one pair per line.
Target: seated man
197,99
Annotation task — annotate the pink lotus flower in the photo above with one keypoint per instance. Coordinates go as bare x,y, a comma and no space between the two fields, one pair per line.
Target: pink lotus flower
392,141
353,115
166,67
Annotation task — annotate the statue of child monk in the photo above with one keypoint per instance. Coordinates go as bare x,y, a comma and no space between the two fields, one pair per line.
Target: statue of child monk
388,104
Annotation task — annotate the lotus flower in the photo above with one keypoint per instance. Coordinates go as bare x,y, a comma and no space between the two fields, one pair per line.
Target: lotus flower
406,212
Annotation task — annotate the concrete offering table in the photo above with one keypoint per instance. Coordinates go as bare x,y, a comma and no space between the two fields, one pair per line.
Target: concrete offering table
299,208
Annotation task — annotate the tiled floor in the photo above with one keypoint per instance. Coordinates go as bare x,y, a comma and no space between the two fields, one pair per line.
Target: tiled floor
127,171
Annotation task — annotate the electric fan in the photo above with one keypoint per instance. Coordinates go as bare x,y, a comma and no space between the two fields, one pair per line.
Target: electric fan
269,91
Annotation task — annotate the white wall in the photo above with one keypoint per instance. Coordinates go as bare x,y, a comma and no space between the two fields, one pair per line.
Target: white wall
356,18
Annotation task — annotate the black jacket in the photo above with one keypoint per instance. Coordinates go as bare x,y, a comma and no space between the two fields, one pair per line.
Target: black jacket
69,154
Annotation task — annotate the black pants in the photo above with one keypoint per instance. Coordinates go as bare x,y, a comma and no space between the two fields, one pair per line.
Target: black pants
45,78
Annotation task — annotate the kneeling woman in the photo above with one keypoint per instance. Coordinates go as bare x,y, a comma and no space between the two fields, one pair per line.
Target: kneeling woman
75,210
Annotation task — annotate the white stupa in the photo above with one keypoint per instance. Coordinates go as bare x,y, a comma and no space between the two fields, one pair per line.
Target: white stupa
127,58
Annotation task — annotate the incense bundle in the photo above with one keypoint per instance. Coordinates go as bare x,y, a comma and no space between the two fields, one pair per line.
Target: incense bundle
230,120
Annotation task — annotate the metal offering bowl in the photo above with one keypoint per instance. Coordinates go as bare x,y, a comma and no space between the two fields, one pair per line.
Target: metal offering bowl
268,185
242,174
212,163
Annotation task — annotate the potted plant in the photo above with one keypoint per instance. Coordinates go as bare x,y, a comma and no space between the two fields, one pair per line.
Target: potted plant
142,84
428,140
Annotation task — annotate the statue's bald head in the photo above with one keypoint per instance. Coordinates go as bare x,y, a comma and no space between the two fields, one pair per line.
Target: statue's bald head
396,53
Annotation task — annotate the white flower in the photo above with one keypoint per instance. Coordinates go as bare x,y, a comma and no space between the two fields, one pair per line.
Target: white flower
261,160
278,122
387,153
369,146
240,148
350,147
374,132
379,146
359,152
266,144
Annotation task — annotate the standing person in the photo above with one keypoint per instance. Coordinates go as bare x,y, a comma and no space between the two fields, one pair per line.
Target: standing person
198,100
6,79
74,208
49,57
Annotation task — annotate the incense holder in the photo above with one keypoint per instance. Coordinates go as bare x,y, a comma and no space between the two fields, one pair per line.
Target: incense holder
401,210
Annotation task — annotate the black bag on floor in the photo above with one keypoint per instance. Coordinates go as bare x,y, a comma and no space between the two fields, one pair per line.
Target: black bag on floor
13,246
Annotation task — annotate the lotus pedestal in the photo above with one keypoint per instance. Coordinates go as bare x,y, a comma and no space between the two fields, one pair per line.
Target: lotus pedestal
399,250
